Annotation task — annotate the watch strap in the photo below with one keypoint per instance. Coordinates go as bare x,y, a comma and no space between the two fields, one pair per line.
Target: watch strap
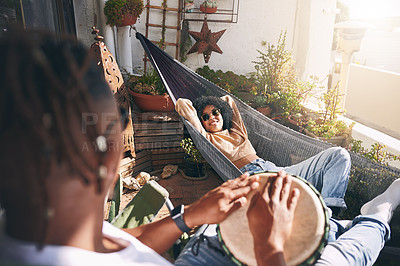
177,216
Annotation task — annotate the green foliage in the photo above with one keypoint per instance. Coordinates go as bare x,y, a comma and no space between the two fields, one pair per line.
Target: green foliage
210,4
115,10
377,152
229,81
275,78
192,153
149,83
274,68
328,126
260,101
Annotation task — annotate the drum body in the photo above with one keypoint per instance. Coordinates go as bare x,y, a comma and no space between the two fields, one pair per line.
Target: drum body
309,233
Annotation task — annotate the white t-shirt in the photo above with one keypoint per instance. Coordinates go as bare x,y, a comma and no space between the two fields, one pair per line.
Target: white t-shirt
16,252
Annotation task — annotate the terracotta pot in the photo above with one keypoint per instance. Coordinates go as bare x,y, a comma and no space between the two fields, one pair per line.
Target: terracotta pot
153,103
342,140
264,110
128,19
208,10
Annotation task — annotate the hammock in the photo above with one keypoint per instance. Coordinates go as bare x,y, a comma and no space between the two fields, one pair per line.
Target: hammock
272,141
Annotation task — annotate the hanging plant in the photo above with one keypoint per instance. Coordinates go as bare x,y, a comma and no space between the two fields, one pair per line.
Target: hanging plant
208,6
123,12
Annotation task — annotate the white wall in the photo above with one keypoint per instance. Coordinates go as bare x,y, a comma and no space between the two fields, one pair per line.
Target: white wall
372,98
380,49
309,25
84,20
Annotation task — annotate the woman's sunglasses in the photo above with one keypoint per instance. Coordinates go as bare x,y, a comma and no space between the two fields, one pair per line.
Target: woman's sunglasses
214,112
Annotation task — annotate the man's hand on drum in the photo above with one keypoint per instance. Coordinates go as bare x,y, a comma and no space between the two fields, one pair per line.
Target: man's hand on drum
270,217
218,203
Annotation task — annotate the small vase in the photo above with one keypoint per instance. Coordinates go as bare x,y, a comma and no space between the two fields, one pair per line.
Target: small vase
208,10
128,19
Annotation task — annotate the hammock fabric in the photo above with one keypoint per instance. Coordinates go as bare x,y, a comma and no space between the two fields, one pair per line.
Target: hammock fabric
272,141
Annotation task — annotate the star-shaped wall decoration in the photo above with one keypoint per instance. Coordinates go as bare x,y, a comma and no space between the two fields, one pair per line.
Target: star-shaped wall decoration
206,41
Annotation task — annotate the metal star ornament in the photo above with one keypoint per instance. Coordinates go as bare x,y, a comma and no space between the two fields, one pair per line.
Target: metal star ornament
206,41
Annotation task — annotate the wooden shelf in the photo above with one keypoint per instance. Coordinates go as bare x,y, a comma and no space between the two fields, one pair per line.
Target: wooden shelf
228,13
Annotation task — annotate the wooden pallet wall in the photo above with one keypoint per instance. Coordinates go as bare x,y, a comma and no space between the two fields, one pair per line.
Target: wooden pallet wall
160,134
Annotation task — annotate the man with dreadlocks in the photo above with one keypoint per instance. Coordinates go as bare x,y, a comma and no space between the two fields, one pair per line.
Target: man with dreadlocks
60,139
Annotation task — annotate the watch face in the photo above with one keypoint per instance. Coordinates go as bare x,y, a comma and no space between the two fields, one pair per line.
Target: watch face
177,210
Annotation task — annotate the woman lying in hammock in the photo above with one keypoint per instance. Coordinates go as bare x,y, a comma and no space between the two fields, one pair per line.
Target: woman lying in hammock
219,120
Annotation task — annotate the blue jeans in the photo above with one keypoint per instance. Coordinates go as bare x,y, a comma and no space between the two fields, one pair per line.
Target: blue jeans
358,245
328,172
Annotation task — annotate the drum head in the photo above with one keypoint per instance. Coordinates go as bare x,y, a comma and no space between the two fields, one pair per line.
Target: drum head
309,232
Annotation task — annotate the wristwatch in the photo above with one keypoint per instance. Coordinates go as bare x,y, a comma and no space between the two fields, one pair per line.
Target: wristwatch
177,216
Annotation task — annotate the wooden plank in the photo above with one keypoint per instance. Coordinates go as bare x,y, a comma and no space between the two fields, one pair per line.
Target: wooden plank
141,154
149,125
152,139
160,26
126,167
165,162
126,160
143,160
145,167
162,8
145,133
126,173
156,145
167,156
167,150
157,116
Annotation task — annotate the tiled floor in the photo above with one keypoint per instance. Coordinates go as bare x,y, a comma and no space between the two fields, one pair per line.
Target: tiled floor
183,191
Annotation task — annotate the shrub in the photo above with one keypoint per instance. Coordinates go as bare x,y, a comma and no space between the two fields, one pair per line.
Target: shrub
116,10
229,81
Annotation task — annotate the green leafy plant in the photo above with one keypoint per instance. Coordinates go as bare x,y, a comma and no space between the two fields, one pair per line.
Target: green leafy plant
275,78
377,152
209,4
260,101
274,69
116,10
229,81
327,125
192,154
148,83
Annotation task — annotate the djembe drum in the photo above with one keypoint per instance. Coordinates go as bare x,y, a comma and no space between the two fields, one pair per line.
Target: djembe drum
309,233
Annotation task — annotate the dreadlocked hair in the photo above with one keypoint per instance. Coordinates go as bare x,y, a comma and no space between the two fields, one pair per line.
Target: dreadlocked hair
42,80
226,111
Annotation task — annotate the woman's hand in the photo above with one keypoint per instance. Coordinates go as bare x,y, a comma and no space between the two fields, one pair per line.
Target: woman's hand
270,217
218,203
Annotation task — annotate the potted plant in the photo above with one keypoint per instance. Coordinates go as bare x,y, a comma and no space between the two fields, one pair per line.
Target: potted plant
194,162
260,103
148,92
189,6
326,125
208,7
123,12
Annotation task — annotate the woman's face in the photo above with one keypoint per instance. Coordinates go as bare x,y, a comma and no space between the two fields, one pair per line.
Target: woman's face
211,119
